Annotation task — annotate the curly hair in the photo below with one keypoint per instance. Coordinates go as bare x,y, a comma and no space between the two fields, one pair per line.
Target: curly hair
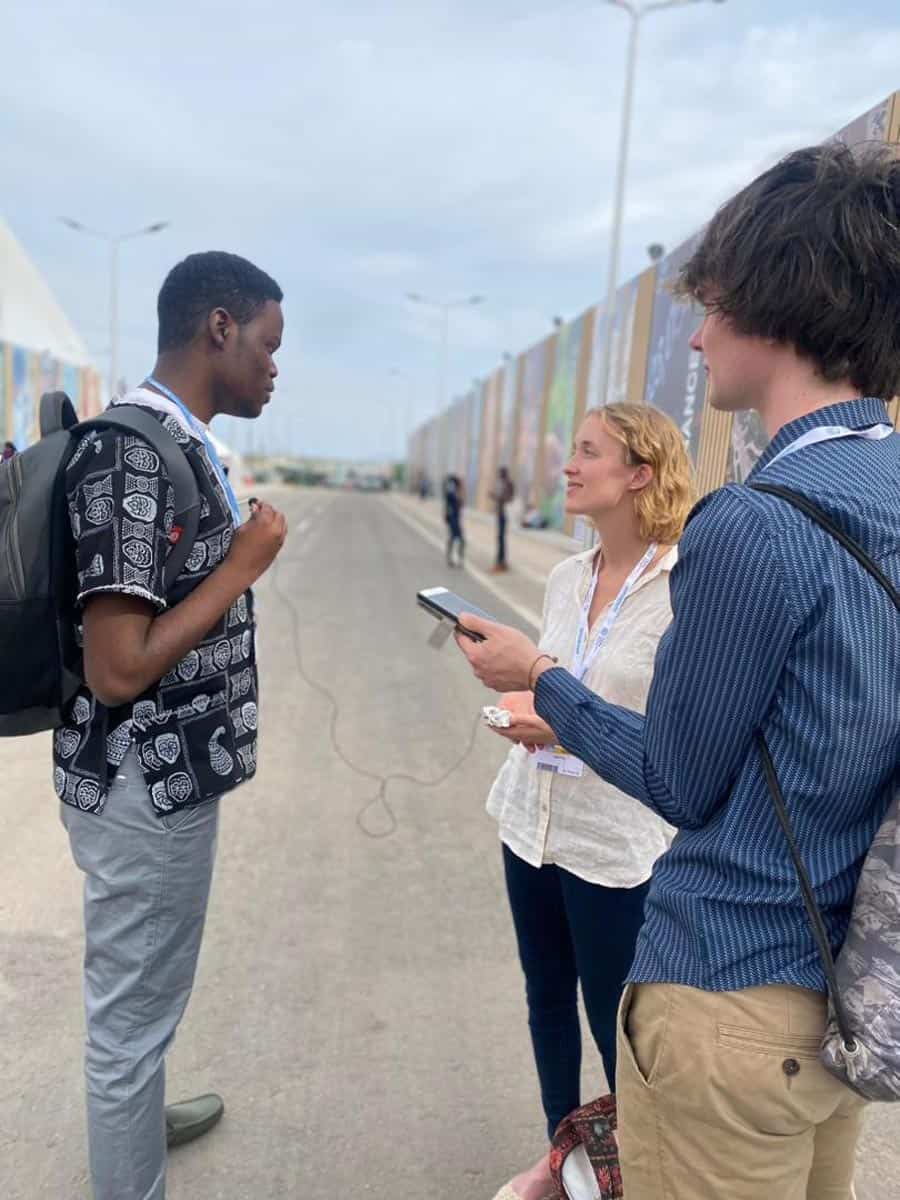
203,282
650,437
808,255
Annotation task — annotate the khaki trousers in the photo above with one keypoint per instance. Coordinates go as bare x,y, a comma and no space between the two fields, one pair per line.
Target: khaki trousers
721,1097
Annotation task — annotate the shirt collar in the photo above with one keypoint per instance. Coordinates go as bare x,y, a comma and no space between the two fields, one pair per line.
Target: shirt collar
145,398
855,414
586,559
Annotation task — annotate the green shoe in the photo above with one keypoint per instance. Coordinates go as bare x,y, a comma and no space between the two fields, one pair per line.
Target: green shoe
192,1118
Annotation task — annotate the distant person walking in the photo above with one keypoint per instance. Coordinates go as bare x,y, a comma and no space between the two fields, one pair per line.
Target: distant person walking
503,494
453,506
9,451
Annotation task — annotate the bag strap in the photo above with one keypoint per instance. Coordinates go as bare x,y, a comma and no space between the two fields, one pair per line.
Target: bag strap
813,911
134,419
55,412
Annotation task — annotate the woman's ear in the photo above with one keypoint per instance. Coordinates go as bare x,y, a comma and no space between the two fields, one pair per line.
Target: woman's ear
642,476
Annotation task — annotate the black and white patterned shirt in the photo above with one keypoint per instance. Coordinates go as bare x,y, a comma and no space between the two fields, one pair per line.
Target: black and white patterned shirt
195,730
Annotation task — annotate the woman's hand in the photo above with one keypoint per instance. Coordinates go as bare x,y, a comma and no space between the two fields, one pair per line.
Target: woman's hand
526,727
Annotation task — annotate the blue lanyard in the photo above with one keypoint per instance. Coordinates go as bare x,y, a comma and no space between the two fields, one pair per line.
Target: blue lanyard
207,442
582,661
830,433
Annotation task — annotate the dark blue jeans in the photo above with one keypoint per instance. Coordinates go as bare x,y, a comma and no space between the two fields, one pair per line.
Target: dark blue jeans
501,539
569,930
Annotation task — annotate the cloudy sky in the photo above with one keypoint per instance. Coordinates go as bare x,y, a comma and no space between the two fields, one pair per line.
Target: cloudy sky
358,152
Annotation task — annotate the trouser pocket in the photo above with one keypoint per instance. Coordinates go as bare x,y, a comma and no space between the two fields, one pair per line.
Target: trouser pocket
643,1030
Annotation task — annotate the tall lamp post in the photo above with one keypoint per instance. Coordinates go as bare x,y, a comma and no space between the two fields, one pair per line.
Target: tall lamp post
636,14
114,240
444,307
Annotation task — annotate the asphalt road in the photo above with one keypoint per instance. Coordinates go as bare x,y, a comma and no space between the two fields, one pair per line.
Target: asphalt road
358,1002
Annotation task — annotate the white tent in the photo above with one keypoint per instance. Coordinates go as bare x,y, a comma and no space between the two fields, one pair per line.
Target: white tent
30,315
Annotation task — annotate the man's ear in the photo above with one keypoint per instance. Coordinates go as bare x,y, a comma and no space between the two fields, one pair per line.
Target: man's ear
220,326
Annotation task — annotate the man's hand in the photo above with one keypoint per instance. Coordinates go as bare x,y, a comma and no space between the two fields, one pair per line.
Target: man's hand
128,646
502,661
256,543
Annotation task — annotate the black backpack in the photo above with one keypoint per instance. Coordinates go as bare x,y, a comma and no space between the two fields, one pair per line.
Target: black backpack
40,664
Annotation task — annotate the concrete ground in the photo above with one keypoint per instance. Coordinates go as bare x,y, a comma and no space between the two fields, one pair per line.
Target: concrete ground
358,1003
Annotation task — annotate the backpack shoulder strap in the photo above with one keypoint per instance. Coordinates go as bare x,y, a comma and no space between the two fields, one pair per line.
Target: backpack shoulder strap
56,412
852,547
131,418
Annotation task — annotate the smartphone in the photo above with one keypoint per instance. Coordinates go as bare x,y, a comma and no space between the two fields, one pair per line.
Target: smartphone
446,605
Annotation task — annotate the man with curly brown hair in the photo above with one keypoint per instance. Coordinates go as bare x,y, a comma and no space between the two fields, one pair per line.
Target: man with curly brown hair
778,632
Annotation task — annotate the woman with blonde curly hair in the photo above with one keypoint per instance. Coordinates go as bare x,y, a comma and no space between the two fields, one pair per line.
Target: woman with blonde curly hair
577,852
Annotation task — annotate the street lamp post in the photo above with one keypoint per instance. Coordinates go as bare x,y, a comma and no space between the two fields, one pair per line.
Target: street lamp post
444,307
114,240
636,14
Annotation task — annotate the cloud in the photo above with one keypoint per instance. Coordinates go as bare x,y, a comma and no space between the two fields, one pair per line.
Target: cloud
360,154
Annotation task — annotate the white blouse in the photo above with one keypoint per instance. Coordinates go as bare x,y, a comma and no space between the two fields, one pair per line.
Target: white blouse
584,824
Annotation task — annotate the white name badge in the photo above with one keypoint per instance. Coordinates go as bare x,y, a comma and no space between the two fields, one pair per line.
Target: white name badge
554,758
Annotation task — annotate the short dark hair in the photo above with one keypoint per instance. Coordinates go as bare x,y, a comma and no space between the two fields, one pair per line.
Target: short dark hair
203,282
809,255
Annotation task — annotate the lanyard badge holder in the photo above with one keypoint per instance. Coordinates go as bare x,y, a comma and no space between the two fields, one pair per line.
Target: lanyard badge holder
211,452
830,433
555,758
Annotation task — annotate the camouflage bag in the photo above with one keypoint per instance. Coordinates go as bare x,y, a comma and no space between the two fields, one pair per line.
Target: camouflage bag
861,1046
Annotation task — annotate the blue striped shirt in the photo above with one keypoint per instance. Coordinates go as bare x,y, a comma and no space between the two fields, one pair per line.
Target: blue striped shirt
776,628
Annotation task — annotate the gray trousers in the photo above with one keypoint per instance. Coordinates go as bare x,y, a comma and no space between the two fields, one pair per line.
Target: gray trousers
146,889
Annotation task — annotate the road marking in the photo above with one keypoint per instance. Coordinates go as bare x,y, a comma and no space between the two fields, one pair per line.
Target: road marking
304,524
526,614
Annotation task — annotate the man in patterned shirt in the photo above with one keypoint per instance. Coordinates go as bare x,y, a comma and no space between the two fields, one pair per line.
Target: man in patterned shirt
777,630
166,722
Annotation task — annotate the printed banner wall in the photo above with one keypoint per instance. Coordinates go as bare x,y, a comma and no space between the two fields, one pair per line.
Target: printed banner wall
24,400
626,328
432,464
560,418
676,382
508,412
623,330
24,377
524,416
474,412
870,127
458,445
446,443
534,375
748,440
490,440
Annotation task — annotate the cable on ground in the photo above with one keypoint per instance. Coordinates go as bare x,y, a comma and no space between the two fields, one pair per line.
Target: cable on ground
380,796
